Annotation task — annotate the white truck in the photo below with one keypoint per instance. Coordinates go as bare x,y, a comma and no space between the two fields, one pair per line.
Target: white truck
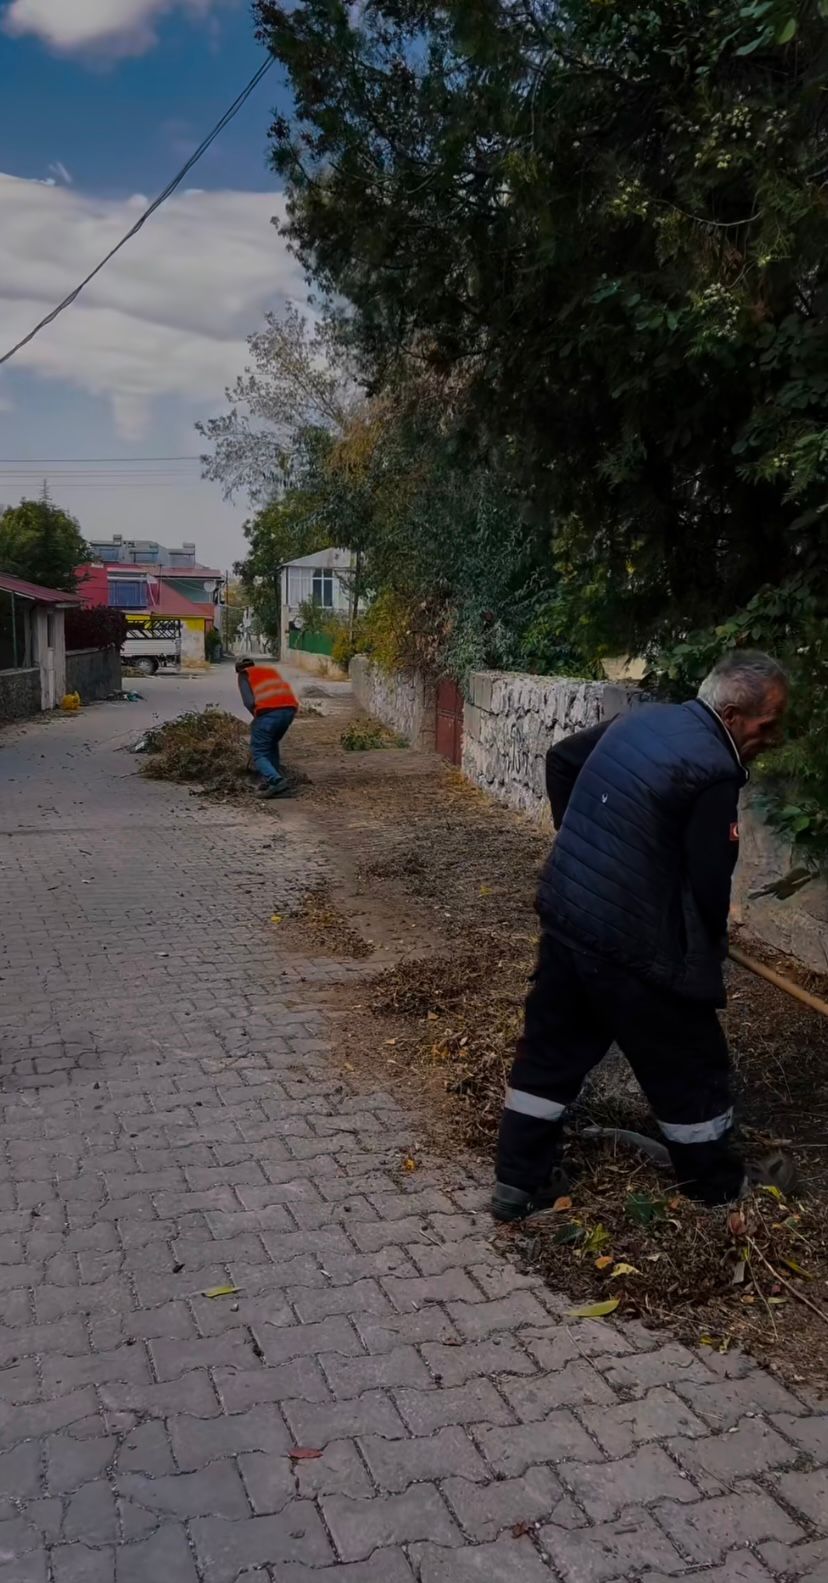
147,649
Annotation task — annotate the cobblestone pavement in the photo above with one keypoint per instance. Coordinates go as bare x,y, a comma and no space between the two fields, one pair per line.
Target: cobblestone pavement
384,1400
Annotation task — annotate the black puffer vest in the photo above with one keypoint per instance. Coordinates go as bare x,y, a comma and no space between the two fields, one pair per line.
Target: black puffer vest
615,882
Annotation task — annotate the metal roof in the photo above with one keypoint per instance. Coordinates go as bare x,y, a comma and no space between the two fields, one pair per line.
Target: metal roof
38,594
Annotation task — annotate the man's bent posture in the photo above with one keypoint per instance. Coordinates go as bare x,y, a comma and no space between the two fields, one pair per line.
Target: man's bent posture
273,705
634,902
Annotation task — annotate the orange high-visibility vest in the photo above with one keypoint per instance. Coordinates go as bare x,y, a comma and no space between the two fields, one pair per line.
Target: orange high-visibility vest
270,690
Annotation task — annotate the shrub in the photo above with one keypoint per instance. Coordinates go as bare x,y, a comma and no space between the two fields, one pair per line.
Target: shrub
95,628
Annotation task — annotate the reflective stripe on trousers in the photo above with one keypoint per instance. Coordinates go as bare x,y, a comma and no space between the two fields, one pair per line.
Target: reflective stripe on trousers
532,1105
698,1131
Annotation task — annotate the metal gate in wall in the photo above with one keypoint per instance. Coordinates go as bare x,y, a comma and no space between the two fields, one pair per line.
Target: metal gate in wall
448,737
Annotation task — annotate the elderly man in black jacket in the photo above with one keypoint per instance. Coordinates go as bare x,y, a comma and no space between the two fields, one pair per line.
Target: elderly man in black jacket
634,902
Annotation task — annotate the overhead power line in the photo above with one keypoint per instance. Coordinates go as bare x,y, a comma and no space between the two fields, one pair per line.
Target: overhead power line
170,188
60,461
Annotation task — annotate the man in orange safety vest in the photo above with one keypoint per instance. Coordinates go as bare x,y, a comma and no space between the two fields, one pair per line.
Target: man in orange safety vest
273,705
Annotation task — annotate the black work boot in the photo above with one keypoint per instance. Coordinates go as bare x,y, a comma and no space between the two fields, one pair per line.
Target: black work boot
514,1203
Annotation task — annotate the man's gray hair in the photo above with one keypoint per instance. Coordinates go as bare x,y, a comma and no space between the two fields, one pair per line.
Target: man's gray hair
742,679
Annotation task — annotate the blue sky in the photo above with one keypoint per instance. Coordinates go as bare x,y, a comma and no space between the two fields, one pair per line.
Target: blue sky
102,102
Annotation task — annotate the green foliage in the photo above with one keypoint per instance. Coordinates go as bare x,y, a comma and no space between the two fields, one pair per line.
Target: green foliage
42,543
364,736
212,643
791,621
97,627
607,227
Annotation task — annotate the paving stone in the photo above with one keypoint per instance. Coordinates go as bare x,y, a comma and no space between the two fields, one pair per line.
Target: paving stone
20,1472
243,1388
395,1464
711,1527
351,1376
359,1527
647,1475
315,1424
296,1341
226,1549
484,1511
146,1449
741,1567
810,1434
655,1416
808,1560
453,1365
752,1448
725,1403
613,1551
475,1402
806,1493
361,1297
71,1461
41,1418
384,1566
215,1491
91,1515
570,1387
191,1393
31,1568
197,1441
164,1556
479,1319
555,1439
77,1563
509,1560
667,1365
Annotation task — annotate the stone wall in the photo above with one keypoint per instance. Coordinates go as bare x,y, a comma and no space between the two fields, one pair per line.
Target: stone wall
401,700
20,693
511,721
798,924
94,673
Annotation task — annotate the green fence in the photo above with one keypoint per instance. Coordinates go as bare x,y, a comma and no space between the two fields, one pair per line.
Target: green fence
311,642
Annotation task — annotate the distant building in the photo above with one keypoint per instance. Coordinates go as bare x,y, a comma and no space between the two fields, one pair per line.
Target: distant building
32,646
324,579
141,552
168,591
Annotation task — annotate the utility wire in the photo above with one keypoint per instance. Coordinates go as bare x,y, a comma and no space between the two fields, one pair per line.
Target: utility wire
156,204
40,461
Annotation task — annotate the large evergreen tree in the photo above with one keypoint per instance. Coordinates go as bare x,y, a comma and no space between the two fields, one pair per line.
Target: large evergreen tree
610,223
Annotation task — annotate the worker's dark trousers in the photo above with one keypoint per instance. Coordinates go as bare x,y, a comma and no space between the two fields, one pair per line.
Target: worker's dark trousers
577,1007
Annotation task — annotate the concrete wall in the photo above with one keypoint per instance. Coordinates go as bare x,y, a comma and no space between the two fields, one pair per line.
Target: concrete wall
19,693
402,700
94,673
511,720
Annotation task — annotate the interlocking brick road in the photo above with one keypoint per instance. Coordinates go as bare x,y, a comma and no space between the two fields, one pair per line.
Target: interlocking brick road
172,1120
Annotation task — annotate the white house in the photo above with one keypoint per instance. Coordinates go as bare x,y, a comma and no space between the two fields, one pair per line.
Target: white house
325,579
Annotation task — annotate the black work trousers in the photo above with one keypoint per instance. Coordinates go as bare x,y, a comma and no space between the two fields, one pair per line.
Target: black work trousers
577,1007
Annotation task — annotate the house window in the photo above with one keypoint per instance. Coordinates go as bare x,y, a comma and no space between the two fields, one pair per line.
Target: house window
128,594
14,631
323,589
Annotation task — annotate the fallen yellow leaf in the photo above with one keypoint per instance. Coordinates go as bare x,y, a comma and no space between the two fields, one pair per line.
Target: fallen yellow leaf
625,1269
595,1310
276,918
221,1291
604,1262
409,1164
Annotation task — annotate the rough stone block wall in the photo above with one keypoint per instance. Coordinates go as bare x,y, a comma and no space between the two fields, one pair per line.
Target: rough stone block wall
511,721
797,925
19,694
94,673
401,700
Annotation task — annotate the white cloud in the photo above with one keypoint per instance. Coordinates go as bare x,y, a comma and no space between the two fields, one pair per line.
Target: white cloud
167,318
113,27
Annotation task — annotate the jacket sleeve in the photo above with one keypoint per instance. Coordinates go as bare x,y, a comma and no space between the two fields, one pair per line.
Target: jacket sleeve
564,763
246,693
711,848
